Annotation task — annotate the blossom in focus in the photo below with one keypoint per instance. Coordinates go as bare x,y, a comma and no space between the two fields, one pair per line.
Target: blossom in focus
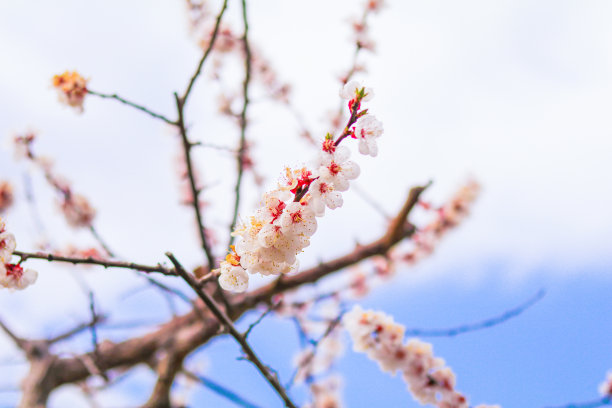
367,130
233,278
269,241
71,88
337,169
353,89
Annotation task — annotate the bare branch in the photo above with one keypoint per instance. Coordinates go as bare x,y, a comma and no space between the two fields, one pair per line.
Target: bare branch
92,261
133,105
219,389
187,146
485,324
588,404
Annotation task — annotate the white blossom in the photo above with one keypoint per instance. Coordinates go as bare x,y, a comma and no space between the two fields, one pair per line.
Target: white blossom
15,277
367,129
337,169
350,91
233,278
7,246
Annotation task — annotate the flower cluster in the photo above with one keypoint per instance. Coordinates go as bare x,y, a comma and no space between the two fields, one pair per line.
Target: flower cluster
12,276
71,88
280,229
377,335
605,388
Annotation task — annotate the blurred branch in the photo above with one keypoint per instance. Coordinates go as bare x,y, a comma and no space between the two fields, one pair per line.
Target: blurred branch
507,315
219,389
588,404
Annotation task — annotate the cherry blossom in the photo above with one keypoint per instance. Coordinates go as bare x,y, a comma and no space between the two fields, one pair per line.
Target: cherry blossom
354,89
72,88
367,130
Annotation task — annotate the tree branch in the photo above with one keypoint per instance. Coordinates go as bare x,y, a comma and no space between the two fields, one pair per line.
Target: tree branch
133,105
92,261
227,322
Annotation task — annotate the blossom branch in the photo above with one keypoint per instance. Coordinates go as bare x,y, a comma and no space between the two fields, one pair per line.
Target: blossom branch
397,231
240,338
192,327
133,105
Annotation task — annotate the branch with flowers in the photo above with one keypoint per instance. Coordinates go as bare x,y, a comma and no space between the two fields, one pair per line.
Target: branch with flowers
265,246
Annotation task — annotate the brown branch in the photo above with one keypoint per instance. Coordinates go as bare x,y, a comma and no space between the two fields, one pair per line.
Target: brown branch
168,366
239,337
243,118
92,261
76,330
133,105
187,146
19,342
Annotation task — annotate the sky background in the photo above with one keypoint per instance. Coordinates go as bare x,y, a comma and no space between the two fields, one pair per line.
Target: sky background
516,94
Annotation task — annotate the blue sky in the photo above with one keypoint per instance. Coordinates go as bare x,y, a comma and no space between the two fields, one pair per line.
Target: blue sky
514,93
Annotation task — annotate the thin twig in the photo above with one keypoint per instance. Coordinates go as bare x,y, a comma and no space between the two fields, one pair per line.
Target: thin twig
259,319
101,242
187,146
227,322
219,389
243,118
315,344
92,261
213,38
507,315
588,404
133,105
76,330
